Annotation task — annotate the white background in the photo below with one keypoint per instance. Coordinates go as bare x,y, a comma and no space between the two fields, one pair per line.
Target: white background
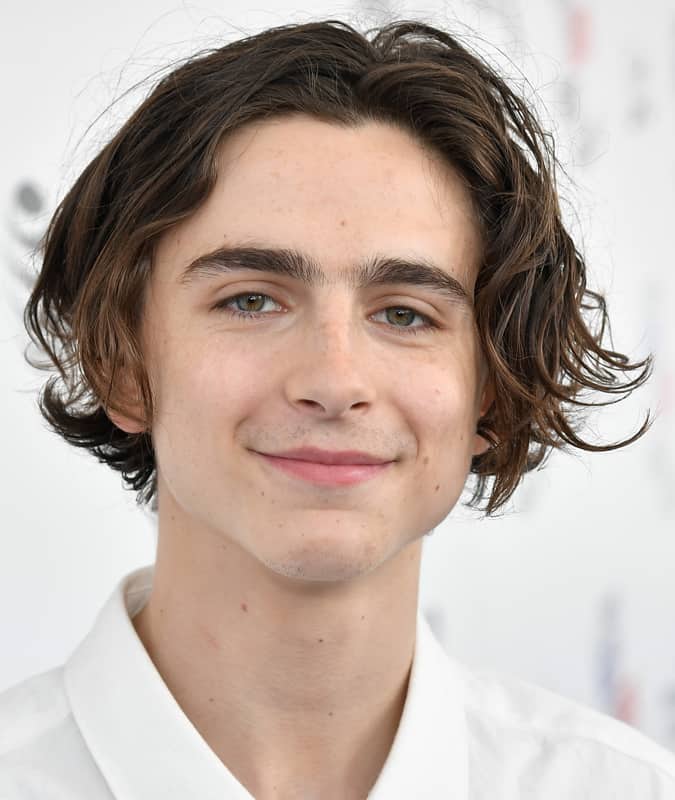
521,594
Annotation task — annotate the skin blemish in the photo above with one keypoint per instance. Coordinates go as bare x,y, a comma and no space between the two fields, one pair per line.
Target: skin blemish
438,486
321,640
426,460
244,607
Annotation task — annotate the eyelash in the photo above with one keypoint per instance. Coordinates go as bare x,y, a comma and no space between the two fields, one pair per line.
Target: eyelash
429,326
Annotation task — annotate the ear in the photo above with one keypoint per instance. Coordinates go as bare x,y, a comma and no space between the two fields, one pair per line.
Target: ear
481,445
126,409
126,423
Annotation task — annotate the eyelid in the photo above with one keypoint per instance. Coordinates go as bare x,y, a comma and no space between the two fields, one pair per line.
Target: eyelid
430,324
412,305
252,287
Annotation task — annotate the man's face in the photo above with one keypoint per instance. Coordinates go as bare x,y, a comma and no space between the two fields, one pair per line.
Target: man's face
327,365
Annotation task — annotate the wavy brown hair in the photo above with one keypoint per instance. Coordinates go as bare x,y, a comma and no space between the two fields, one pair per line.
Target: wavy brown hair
540,328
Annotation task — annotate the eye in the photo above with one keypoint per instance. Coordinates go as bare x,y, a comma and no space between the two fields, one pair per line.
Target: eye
251,298
401,313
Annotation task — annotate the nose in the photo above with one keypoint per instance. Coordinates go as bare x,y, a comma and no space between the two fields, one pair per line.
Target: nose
333,370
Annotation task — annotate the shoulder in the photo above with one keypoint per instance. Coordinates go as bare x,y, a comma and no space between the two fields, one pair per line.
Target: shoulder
42,753
32,708
556,747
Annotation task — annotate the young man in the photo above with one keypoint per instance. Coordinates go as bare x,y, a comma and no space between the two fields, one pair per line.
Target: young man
312,284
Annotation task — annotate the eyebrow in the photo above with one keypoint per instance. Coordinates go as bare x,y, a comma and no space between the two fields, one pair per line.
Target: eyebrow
292,263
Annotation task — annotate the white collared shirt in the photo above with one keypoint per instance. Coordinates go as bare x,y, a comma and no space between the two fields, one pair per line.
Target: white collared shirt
104,725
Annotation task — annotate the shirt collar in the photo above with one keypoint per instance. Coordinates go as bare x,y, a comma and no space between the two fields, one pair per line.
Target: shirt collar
146,746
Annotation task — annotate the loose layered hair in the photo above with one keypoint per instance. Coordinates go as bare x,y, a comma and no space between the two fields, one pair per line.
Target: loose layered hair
541,330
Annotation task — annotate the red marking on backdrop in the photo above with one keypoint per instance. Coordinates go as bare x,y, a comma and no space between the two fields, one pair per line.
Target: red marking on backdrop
579,28
626,708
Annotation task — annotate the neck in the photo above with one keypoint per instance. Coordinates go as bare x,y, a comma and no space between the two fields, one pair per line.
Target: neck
292,684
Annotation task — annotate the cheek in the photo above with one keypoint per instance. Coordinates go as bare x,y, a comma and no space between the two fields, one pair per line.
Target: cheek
442,415
204,392
199,388
444,392
442,422
446,420
210,376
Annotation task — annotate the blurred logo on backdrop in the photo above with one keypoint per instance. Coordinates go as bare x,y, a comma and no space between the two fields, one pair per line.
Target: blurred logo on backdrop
26,220
617,691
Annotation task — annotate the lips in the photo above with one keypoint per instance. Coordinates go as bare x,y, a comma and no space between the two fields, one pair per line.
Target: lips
326,475
332,457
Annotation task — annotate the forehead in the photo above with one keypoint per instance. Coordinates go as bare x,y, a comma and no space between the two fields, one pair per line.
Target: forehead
339,194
